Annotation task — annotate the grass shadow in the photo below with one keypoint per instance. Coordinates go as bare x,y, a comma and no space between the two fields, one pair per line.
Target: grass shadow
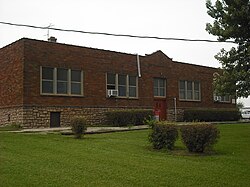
181,151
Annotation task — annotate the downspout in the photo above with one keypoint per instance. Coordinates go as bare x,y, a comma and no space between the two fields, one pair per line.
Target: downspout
175,110
138,65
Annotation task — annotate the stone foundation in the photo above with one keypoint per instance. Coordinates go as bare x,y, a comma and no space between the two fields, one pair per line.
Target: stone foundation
11,115
39,117
171,115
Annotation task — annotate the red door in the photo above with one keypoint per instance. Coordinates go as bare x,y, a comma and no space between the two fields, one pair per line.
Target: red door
160,106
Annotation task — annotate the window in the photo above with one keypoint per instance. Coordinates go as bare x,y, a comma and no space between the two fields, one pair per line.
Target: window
76,82
196,91
225,98
60,81
159,87
47,80
189,90
122,85
111,81
125,84
182,89
132,86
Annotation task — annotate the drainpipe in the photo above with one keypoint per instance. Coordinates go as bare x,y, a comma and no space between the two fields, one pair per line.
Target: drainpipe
175,111
138,65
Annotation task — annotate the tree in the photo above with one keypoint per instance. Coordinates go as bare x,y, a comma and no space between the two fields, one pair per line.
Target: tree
232,22
240,105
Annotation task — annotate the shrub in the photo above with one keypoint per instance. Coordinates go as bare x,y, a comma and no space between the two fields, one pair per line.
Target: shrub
163,135
11,127
199,136
211,115
127,117
79,126
150,121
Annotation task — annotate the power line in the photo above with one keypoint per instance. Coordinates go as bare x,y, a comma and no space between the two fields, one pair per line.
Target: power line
117,35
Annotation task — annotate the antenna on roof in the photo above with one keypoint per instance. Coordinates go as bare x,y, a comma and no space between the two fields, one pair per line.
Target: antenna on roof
50,38
50,25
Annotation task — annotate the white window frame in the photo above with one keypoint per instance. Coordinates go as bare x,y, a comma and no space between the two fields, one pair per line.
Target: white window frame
127,85
55,82
193,91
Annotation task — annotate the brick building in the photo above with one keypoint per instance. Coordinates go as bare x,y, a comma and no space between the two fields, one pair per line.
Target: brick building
45,84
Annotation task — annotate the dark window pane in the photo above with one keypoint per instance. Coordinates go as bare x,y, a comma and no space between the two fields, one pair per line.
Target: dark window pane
182,94
62,87
156,83
111,78
189,85
47,86
182,85
162,92
62,74
225,98
111,87
196,86
161,83
122,90
196,96
132,92
155,92
122,79
189,95
132,81
47,73
76,75
76,88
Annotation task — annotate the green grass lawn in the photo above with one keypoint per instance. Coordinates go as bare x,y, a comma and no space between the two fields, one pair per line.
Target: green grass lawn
121,159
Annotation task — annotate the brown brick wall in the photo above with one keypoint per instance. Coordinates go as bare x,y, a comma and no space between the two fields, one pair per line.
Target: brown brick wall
25,55
11,75
203,74
94,63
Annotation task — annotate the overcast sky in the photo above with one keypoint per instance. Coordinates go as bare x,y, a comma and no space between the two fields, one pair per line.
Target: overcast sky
161,18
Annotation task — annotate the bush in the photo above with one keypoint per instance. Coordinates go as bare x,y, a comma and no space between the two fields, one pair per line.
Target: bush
211,115
199,137
11,127
150,121
127,117
79,126
163,135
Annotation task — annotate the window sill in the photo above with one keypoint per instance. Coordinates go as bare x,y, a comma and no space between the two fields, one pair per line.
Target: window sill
184,100
61,95
223,102
160,97
128,98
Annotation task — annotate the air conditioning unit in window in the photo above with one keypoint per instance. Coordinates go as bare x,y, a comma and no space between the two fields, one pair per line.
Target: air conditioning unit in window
112,93
217,98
